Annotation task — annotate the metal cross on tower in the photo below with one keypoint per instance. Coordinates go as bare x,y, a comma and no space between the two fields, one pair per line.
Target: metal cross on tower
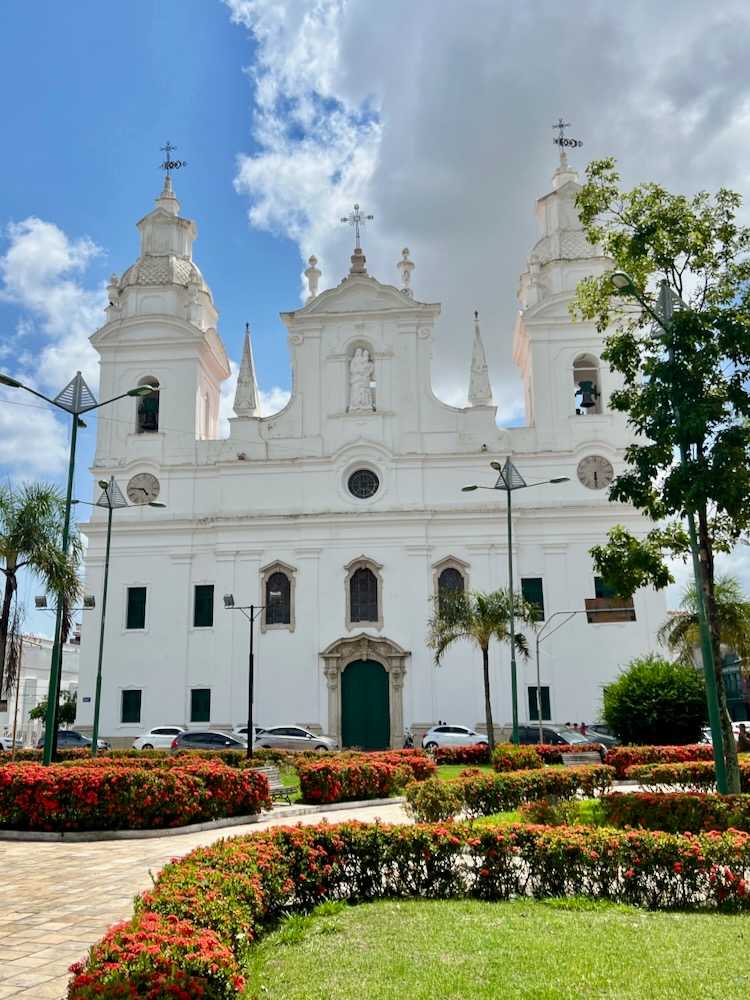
169,164
356,219
560,139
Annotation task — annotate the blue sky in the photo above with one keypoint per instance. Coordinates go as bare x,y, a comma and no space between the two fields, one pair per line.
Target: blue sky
437,118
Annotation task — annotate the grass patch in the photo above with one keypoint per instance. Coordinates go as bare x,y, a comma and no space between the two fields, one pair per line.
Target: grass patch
522,950
448,771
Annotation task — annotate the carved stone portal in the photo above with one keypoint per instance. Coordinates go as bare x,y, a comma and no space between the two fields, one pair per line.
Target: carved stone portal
342,652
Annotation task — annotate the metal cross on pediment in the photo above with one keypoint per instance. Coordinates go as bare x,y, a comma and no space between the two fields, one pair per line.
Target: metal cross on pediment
169,164
356,219
560,139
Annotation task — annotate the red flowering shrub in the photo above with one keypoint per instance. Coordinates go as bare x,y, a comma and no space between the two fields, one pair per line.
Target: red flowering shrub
350,780
488,793
509,757
190,929
473,753
694,776
678,812
621,758
157,958
115,796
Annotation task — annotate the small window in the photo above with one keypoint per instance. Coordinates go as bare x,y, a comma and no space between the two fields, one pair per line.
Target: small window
203,606
136,614
278,599
131,706
363,484
200,705
363,589
450,585
533,592
603,589
533,713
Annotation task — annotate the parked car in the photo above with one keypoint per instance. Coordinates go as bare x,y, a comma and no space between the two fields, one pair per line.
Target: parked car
158,738
596,735
557,735
69,739
451,736
240,730
6,742
293,738
208,739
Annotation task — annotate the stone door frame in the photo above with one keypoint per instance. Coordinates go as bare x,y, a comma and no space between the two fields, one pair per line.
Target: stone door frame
386,652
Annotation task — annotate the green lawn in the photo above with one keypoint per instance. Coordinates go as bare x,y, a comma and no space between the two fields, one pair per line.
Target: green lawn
521,950
447,771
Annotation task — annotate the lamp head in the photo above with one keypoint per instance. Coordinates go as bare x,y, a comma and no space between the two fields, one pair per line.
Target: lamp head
103,484
275,596
496,466
89,601
10,382
469,489
40,601
622,282
228,600
141,390
156,503
560,479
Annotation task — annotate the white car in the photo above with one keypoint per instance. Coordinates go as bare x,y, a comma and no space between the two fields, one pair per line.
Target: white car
452,736
158,738
6,742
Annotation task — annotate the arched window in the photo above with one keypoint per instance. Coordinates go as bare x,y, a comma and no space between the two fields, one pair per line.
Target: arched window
278,599
363,591
450,584
277,587
586,378
147,410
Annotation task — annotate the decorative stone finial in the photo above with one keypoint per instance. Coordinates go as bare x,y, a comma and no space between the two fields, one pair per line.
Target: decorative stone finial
312,273
246,395
480,392
405,267
113,292
359,262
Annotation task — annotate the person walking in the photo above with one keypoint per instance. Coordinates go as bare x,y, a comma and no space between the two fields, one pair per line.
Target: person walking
743,739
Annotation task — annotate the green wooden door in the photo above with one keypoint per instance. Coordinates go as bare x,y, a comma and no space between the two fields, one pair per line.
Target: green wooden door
365,710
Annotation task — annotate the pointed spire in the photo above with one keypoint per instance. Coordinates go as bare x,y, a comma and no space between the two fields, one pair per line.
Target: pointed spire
246,395
480,392
167,200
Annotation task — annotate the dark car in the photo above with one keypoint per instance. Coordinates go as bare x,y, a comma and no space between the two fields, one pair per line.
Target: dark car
208,739
69,739
557,735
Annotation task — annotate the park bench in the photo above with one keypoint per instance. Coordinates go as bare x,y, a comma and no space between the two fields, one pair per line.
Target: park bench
276,786
584,757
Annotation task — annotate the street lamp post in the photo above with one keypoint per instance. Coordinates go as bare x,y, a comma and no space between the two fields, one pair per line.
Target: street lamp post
76,398
545,632
625,284
111,498
254,610
508,480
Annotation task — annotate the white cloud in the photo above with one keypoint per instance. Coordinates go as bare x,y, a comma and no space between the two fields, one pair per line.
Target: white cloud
32,442
273,400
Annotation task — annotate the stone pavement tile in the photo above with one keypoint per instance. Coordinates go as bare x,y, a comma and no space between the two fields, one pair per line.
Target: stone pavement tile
29,978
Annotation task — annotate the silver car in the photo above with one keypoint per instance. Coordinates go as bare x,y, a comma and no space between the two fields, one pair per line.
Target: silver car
452,736
293,738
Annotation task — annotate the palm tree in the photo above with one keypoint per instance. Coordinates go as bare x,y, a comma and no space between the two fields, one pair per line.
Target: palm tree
31,519
479,618
681,632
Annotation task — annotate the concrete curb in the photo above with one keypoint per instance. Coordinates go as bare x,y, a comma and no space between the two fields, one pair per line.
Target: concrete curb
282,812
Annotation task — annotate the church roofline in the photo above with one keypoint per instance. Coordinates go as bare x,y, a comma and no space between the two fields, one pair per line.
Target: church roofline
399,301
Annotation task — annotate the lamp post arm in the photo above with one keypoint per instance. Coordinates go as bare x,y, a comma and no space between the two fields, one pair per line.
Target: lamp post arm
106,402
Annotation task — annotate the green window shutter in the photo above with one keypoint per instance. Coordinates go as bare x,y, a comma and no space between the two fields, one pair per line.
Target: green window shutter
200,705
203,606
533,714
533,592
131,706
602,589
136,616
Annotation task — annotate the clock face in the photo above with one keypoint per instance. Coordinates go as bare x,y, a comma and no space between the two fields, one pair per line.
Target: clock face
143,488
595,472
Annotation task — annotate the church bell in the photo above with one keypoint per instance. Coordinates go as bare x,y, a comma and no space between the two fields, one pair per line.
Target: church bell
588,393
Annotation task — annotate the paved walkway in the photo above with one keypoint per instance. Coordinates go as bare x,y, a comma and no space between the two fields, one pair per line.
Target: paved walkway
57,899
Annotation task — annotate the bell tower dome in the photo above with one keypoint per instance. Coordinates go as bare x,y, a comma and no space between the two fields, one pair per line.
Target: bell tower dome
161,328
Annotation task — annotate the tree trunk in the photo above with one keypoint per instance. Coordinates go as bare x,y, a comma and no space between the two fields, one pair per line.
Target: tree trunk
10,587
487,702
705,549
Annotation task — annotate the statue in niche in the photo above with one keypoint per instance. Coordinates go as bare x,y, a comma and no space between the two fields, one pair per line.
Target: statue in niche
360,378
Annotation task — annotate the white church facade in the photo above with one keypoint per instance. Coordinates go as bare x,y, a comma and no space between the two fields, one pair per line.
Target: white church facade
343,514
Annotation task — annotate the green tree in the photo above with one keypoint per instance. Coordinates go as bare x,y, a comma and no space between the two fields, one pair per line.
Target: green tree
479,618
66,709
681,633
31,519
686,389
657,702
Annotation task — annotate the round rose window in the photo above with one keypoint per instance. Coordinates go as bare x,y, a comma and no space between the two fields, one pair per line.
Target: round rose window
363,484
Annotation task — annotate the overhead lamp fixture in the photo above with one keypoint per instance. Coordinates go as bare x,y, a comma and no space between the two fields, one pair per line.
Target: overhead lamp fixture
228,600
10,382
89,601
